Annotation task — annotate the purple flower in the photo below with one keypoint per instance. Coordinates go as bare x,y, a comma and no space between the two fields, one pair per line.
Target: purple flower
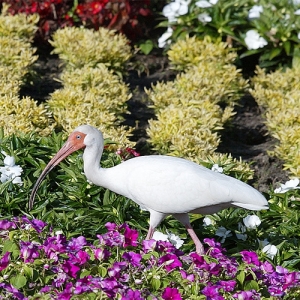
29,251
116,271
4,261
83,285
112,239
247,295
170,261
227,286
184,275
80,258
53,246
171,294
66,294
110,286
132,295
37,225
101,254
212,293
111,226
11,289
130,236
70,269
133,258
60,279
5,225
250,257
149,245
76,244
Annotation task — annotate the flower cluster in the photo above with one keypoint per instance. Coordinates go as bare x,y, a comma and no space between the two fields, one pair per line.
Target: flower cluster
126,16
268,28
118,265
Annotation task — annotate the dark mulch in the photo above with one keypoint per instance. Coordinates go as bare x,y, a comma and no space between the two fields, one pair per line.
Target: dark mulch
246,138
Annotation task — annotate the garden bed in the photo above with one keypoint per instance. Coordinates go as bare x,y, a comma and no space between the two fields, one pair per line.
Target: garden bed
246,138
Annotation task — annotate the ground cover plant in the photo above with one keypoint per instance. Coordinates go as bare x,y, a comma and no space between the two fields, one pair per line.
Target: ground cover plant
84,242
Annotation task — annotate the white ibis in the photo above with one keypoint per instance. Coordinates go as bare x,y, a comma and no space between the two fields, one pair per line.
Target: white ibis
164,185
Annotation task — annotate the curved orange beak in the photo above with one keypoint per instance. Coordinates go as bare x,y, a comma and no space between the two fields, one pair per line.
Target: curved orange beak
74,143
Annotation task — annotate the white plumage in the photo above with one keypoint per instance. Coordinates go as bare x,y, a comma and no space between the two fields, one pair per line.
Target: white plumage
163,185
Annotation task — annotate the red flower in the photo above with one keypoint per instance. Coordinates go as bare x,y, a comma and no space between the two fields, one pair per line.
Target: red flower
96,7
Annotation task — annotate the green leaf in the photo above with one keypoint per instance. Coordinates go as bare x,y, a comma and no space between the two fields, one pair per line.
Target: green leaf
274,52
28,271
10,246
146,47
241,277
18,281
251,285
155,283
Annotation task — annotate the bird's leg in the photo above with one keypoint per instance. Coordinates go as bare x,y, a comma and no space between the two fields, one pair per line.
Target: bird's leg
150,233
155,219
198,244
185,220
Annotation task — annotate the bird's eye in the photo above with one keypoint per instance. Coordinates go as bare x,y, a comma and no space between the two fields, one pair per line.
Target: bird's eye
78,136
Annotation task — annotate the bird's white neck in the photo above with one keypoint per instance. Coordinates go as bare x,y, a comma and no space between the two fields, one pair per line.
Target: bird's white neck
105,177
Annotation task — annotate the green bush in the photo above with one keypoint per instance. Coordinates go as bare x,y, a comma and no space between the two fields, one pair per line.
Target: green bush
193,108
79,47
19,26
278,95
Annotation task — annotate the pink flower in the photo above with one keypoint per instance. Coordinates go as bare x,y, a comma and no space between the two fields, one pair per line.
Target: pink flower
170,261
171,294
130,236
70,269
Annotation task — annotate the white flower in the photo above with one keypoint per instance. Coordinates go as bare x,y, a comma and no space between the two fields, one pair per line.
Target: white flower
163,40
10,171
206,4
170,237
216,168
175,240
159,236
297,12
255,11
254,41
204,18
289,185
176,9
207,221
223,233
270,250
252,221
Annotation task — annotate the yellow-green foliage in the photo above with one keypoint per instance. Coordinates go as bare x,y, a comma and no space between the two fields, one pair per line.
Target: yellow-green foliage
91,96
16,56
278,94
209,80
80,47
188,112
24,115
19,26
102,88
192,51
